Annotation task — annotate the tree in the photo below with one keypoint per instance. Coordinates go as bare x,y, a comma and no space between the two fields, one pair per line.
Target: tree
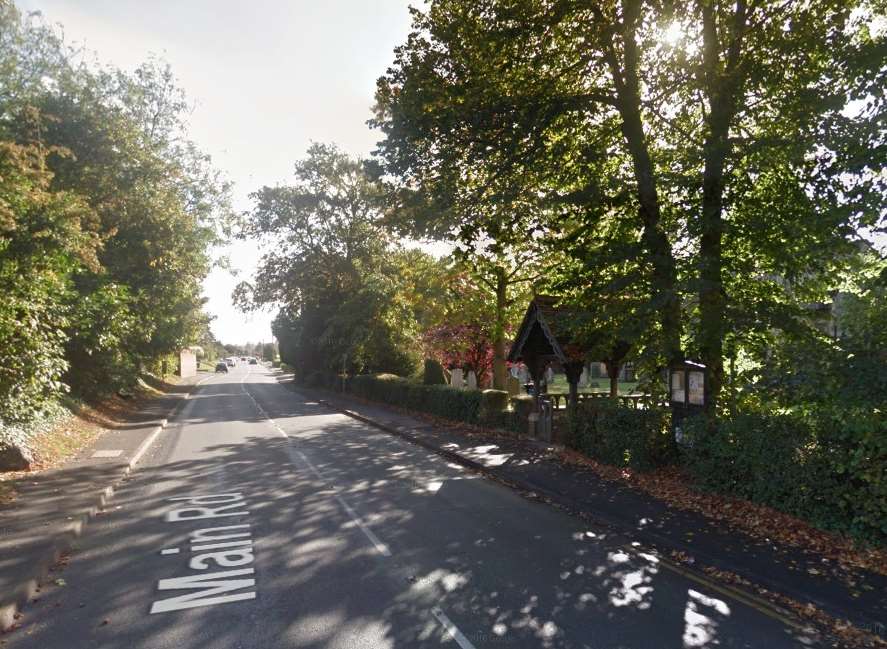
45,236
159,204
342,282
106,213
269,352
471,328
699,145
512,150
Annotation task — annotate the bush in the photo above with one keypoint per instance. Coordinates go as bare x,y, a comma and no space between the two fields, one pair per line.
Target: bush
434,373
622,436
439,400
828,466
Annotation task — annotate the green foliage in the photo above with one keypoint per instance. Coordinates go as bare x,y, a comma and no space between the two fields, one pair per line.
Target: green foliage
495,413
434,373
269,352
758,457
493,401
687,230
21,433
351,296
100,328
44,237
31,345
827,466
621,436
510,421
106,214
438,400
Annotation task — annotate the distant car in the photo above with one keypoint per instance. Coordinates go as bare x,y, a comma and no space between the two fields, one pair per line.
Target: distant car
243,358
229,362
221,366
253,361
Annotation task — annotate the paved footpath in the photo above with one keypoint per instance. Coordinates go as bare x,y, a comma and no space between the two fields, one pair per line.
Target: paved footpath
53,506
261,518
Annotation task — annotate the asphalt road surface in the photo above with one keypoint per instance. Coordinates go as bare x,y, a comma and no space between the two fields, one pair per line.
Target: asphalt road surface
261,519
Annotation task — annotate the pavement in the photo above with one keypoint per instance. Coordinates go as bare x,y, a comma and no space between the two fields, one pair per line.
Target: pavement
533,468
261,518
52,507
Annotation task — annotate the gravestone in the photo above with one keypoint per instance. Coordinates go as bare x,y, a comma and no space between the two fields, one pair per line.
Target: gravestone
472,380
513,385
456,378
549,375
523,375
583,378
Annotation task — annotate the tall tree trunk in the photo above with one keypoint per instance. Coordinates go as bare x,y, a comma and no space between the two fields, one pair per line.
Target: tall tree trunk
655,241
722,83
499,370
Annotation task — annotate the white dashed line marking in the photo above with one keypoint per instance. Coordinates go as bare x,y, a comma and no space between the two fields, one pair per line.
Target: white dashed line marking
451,629
380,547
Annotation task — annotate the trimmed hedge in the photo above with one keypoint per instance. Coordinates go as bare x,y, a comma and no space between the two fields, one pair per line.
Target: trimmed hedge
615,434
493,400
509,421
439,400
828,467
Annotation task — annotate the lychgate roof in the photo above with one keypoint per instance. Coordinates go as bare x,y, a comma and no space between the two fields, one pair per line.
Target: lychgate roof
544,331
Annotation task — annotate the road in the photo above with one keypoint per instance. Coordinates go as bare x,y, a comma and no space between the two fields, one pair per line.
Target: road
262,519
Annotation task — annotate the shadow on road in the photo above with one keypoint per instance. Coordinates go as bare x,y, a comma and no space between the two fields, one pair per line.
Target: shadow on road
506,571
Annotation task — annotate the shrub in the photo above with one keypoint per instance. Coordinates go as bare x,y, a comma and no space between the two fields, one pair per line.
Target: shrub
439,400
826,466
434,373
620,435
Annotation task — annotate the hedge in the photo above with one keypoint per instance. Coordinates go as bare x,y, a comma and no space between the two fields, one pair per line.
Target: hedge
826,466
439,400
622,436
493,401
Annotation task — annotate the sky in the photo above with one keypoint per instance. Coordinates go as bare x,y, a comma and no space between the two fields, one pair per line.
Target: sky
265,77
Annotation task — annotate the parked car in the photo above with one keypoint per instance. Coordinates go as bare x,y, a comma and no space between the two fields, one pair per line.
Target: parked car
222,366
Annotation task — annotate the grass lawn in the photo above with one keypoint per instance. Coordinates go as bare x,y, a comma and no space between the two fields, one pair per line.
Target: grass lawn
560,385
